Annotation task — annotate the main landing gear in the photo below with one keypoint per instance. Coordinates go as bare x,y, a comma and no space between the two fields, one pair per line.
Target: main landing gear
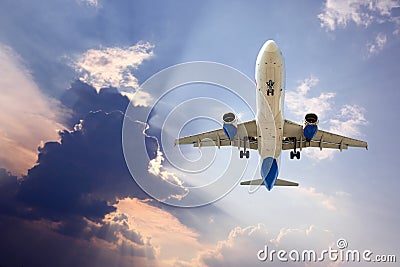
270,89
294,153
244,152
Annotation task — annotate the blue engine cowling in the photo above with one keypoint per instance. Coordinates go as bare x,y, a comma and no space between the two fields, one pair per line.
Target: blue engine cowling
230,125
310,126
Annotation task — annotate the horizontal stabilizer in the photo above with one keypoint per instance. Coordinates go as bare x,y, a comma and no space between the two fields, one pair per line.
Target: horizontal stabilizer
253,182
278,182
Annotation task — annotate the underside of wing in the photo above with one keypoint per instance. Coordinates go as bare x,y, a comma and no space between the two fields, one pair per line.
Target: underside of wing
294,137
246,132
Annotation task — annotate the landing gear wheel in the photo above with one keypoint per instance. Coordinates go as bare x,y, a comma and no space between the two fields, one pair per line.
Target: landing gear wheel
241,154
270,91
294,154
247,154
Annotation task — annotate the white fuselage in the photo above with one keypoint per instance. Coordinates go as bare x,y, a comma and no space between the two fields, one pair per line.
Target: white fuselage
269,117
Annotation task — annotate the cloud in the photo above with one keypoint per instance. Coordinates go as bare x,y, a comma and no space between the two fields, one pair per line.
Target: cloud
328,202
243,243
338,13
73,191
27,116
35,243
298,102
377,45
113,66
345,121
348,120
92,3
164,230
86,172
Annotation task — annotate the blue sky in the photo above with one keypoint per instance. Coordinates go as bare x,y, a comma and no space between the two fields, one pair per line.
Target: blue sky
341,61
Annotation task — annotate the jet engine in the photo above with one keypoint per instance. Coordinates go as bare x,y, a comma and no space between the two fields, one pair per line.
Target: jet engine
310,126
230,125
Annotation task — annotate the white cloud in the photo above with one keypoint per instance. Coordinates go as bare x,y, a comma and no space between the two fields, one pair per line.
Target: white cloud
139,98
243,243
156,168
345,121
348,120
27,117
300,104
113,66
328,202
338,13
92,3
377,45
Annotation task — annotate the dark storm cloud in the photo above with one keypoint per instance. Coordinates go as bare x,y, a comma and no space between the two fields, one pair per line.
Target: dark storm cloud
66,199
86,171
77,180
8,188
82,98
33,243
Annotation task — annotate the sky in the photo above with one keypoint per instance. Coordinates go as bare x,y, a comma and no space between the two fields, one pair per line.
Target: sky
90,105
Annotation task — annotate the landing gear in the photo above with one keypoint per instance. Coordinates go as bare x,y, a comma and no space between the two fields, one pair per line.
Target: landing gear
270,90
245,152
294,153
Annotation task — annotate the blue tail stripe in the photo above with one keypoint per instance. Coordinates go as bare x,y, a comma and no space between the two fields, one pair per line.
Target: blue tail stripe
269,172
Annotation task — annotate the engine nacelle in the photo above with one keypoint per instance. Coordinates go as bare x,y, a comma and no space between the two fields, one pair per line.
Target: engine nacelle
230,125
310,126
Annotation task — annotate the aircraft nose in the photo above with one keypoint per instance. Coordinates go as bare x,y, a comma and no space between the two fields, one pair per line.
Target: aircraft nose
270,46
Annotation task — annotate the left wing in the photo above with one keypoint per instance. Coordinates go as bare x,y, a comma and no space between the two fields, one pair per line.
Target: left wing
245,131
321,139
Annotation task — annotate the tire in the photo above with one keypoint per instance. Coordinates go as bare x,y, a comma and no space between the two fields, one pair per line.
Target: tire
298,155
241,154
247,154
291,155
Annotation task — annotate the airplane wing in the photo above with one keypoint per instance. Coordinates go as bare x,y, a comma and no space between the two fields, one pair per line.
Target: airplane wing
245,131
322,139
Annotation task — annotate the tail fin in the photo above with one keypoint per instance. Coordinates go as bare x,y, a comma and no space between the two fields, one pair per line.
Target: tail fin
278,182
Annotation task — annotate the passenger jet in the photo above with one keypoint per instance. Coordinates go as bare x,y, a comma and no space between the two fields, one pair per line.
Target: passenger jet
270,133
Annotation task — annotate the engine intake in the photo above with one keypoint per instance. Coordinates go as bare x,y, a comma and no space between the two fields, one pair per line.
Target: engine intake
311,118
310,126
230,125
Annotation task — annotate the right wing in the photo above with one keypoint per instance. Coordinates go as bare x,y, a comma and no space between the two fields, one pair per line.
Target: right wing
322,139
218,138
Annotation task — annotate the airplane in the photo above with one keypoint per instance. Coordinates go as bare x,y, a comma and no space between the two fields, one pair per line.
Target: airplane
268,136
